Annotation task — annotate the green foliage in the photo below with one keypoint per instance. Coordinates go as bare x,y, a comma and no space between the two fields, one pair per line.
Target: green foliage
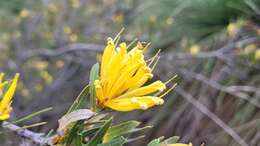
94,74
115,142
160,142
11,6
194,19
100,134
121,129
74,136
80,100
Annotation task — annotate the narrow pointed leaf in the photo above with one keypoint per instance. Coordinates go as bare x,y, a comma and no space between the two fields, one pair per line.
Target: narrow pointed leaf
80,100
97,139
93,76
120,141
171,140
120,130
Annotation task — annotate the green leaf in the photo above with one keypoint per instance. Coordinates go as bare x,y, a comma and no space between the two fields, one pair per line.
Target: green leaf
93,76
79,102
100,134
78,140
170,140
32,115
73,133
88,132
115,142
120,129
156,142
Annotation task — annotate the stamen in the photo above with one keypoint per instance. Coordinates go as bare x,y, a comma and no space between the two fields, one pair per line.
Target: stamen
139,45
131,43
168,91
153,58
117,41
3,84
146,46
156,61
1,76
172,78
119,33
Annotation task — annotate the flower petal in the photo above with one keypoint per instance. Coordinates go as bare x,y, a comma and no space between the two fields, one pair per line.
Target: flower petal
133,103
155,86
8,95
180,144
106,57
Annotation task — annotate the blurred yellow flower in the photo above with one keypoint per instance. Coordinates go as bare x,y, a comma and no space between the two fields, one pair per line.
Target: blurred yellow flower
52,7
152,18
73,37
250,48
17,34
40,65
194,50
7,93
47,35
258,31
25,92
46,77
67,30
38,87
75,3
24,13
180,144
257,54
232,29
118,17
5,36
59,63
169,21
123,74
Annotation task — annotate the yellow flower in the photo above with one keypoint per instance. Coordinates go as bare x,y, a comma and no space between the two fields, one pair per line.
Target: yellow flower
73,37
152,18
122,78
75,3
52,7
24,13
6,100
67,30
46,77
257,54
169,21
180,144
232,29
250,48
194,50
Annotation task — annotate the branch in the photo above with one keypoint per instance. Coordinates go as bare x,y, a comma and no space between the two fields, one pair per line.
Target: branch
212,116
222,53
232,90
37,138
61,50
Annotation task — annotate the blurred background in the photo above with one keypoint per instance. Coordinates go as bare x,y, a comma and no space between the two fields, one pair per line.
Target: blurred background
212,45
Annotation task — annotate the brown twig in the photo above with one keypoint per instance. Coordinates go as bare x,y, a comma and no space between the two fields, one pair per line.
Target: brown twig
236,91
62,50
37,138
212,116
